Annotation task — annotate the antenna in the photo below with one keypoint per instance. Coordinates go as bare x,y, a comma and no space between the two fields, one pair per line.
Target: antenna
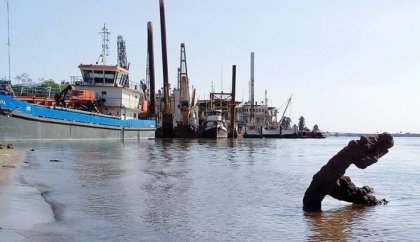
243,91
105,47
221,81
8,35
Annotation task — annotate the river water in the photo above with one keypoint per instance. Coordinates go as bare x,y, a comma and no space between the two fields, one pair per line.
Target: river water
202,190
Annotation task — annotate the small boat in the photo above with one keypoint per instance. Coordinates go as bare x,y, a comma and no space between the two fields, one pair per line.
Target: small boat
214,126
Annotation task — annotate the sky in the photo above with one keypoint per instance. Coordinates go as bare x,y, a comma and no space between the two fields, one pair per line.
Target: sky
351,66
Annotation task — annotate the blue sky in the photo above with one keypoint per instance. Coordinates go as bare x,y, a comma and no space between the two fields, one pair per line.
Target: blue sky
351,65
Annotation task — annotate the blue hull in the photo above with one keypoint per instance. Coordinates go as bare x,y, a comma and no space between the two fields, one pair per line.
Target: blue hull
21,120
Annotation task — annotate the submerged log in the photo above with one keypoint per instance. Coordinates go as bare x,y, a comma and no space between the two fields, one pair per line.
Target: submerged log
330,180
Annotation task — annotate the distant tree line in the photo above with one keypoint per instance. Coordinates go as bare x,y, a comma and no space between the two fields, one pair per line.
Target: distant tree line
24,79
302,126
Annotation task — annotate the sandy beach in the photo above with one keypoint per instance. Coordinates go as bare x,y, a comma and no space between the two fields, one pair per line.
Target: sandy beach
9,159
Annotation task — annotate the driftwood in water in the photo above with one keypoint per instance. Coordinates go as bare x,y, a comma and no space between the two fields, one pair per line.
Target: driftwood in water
330,180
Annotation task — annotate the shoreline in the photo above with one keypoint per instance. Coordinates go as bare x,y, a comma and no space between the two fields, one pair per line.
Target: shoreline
21,205
9,161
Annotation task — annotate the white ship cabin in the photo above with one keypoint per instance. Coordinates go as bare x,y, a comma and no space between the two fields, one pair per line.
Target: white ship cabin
244,113
213,115
111,83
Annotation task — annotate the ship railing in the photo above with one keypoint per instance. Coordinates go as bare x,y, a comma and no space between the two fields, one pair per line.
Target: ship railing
49,92
35,91
78,80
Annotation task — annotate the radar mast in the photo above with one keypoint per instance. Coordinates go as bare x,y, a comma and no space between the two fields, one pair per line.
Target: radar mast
105,45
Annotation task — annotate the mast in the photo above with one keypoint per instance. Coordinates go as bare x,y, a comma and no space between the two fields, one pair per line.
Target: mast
8,36
105,45
221,80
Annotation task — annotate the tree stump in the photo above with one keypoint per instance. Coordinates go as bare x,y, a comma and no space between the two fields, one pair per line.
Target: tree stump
330,180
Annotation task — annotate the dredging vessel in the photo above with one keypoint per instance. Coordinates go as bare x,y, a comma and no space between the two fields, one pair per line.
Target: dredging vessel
103,104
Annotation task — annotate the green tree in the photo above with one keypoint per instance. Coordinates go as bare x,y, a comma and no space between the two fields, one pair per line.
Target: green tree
23,78
48,83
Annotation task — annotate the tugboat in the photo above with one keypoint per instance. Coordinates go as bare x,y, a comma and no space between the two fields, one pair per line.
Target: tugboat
214,125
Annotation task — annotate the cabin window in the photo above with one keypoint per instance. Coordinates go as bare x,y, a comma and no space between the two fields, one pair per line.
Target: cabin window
184,104
135,115
118,78
98,76
87,76
109,77
123,79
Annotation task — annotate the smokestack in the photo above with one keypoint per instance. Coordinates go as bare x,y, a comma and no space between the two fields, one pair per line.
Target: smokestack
167,107
151,59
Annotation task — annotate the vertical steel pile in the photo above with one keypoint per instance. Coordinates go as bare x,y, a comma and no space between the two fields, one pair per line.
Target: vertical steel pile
151,60
167,120
252,85
233,132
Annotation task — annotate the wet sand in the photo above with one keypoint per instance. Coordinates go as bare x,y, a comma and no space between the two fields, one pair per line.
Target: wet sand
9,160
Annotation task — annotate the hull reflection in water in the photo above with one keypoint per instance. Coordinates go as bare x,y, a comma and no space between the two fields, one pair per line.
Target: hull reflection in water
335,225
